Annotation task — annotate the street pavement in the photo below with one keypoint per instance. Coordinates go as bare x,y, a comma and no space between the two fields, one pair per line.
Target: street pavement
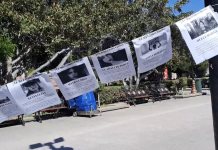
176,124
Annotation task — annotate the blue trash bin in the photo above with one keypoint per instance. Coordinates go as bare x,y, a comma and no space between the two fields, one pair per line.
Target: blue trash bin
86,102
71,103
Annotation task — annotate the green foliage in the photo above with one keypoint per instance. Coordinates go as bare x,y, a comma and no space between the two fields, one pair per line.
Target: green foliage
178,5
182,60
111,94
48,28
6,48
81,25
183,82
30,70
171,84
189,82
201,69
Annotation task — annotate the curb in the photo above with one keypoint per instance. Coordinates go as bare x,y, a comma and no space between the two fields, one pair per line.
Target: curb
114,106
187,96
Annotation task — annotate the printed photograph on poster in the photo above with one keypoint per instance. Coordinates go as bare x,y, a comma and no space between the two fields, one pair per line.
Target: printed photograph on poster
201,25
75,79
111,59
34,94
200,34
154,44
4,100
8,106
114,64
153,49
73,73
32,87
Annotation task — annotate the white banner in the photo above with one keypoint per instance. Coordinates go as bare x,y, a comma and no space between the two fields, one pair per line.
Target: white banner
34,94
153,49
200,33
114,64
3,117
8,106
75,79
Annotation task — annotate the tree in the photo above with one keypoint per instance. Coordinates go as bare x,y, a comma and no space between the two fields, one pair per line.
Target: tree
49,33
6,52
182,61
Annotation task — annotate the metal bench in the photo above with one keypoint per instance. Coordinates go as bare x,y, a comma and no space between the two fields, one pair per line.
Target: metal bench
136,95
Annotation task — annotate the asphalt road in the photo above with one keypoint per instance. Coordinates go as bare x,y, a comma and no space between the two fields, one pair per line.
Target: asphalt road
182,124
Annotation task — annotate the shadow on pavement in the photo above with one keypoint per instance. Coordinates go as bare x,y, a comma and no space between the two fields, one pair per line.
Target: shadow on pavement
50,145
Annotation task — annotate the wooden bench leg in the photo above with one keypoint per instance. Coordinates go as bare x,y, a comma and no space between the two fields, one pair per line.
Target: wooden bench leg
38,117
55,115
20,119
131,100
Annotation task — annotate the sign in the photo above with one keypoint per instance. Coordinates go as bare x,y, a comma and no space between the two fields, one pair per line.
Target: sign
114,64
200,32
75,79
153,49
8,106
34,94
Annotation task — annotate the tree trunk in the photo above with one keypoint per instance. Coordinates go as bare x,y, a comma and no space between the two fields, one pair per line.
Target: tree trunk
137,80
9,77
65,59
21,56
49,61
125,85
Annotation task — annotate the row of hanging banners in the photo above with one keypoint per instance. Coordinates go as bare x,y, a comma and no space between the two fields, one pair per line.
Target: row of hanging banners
30,95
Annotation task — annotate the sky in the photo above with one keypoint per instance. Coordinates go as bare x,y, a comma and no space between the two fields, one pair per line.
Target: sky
193,5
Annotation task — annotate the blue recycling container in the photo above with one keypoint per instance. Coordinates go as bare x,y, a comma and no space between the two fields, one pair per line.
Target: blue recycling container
86,102
71,103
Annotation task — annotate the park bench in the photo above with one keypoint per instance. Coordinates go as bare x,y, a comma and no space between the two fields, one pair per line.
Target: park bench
154,92
137,95
160,92
54,111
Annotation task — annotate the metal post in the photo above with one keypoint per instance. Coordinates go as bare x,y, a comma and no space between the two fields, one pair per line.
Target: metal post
213,64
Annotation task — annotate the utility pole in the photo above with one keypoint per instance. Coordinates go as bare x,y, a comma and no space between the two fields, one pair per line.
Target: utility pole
213,68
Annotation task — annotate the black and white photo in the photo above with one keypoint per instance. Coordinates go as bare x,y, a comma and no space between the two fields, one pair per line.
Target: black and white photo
75,78
73,73
34,93
32,87
153,49
199,31
111,59
114,64
8,106
201,25
154,44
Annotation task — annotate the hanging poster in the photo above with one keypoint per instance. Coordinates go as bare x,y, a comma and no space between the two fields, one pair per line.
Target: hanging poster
3,117
75,79
114,64
153,49
8,106
200,32
34,94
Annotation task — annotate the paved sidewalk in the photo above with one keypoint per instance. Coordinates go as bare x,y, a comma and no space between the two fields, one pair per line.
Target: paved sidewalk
115,106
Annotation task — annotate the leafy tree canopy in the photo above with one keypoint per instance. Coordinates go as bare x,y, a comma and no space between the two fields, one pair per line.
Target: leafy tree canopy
41,28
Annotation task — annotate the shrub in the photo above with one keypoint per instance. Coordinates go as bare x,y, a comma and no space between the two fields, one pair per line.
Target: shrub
189,82
171,84
111,94
183,82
